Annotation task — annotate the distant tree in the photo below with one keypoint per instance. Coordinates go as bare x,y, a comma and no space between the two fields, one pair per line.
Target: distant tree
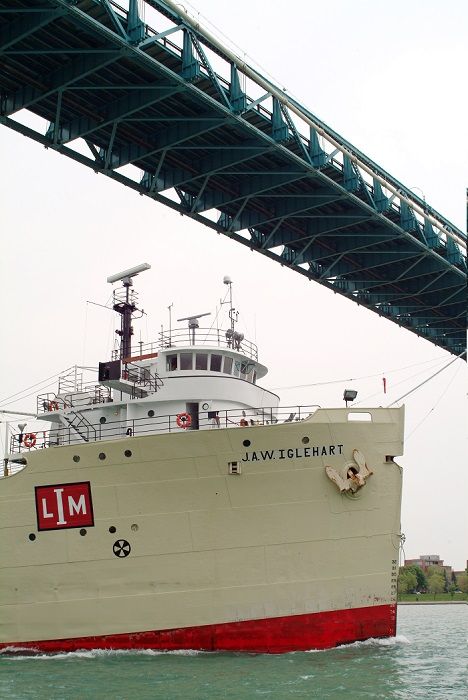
421,584
436,583
406,581
451,589
438,571
462,582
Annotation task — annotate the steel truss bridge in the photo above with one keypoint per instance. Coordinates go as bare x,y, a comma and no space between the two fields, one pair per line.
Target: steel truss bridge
168,111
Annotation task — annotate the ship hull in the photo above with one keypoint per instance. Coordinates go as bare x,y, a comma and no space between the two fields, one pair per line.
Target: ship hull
273,636
163,547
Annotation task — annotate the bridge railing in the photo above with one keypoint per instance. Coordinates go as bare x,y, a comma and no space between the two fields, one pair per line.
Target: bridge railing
320,145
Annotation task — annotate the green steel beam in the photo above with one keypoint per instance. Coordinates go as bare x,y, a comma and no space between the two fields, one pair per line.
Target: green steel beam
167,139
115,18
27,24
260,185
213,165
119,110
59,79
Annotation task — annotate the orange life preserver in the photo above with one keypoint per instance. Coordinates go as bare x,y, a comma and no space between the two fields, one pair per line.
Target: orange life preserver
184,420
53,406
29,440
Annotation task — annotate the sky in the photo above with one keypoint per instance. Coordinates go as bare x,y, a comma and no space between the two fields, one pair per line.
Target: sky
389,78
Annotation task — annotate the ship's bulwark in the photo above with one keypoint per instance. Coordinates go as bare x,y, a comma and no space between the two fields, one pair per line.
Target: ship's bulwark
183,554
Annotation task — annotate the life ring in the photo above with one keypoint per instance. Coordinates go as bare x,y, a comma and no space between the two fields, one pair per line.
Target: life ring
53,406
184,420
29,440
243,423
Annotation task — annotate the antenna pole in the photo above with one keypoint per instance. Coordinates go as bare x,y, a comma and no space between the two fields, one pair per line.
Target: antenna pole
233,314
169,308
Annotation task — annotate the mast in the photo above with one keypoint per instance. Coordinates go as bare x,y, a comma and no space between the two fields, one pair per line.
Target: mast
124,304
233,314
125,307
233,338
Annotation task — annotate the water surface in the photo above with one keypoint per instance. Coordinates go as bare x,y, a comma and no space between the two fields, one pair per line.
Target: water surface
427,659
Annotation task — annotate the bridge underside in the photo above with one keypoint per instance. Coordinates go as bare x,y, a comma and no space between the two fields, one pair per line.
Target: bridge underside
164,112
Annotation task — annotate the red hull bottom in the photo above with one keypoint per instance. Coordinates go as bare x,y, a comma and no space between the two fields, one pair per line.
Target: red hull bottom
274,635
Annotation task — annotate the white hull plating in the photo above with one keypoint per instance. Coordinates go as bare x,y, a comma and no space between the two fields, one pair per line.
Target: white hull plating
207,547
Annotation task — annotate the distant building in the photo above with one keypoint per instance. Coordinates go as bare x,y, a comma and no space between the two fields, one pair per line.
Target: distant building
427,560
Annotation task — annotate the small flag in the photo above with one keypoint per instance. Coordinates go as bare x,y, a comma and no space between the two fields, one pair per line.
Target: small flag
384,385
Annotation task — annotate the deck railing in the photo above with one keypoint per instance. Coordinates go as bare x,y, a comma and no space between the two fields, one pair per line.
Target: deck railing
88,395
112,430
183,337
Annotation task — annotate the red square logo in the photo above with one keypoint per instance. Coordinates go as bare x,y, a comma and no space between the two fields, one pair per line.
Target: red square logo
62,506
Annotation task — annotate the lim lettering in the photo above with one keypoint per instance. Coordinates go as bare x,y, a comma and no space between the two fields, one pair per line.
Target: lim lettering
293,453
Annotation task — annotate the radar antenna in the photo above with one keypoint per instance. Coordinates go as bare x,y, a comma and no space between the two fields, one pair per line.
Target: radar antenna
193,323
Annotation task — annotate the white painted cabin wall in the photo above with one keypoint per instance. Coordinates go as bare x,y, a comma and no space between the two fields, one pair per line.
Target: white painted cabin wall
212,388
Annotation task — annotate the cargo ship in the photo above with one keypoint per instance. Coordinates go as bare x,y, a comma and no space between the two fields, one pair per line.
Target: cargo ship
173,503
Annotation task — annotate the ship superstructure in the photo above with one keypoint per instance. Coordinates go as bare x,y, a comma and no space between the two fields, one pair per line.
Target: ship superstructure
173,503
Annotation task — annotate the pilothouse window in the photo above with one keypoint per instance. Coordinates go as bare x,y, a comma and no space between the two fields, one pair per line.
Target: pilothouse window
215,364
186,360
247,372
227,369
201,361
171,363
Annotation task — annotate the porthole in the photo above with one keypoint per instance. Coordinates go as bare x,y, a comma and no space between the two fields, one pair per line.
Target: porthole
134,527
76,458
151,413
305,440
102,455
102,419
32,536
246,443
83,532
128,453
112,529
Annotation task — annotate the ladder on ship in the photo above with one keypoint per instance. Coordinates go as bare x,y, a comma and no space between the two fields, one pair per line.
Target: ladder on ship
80,425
